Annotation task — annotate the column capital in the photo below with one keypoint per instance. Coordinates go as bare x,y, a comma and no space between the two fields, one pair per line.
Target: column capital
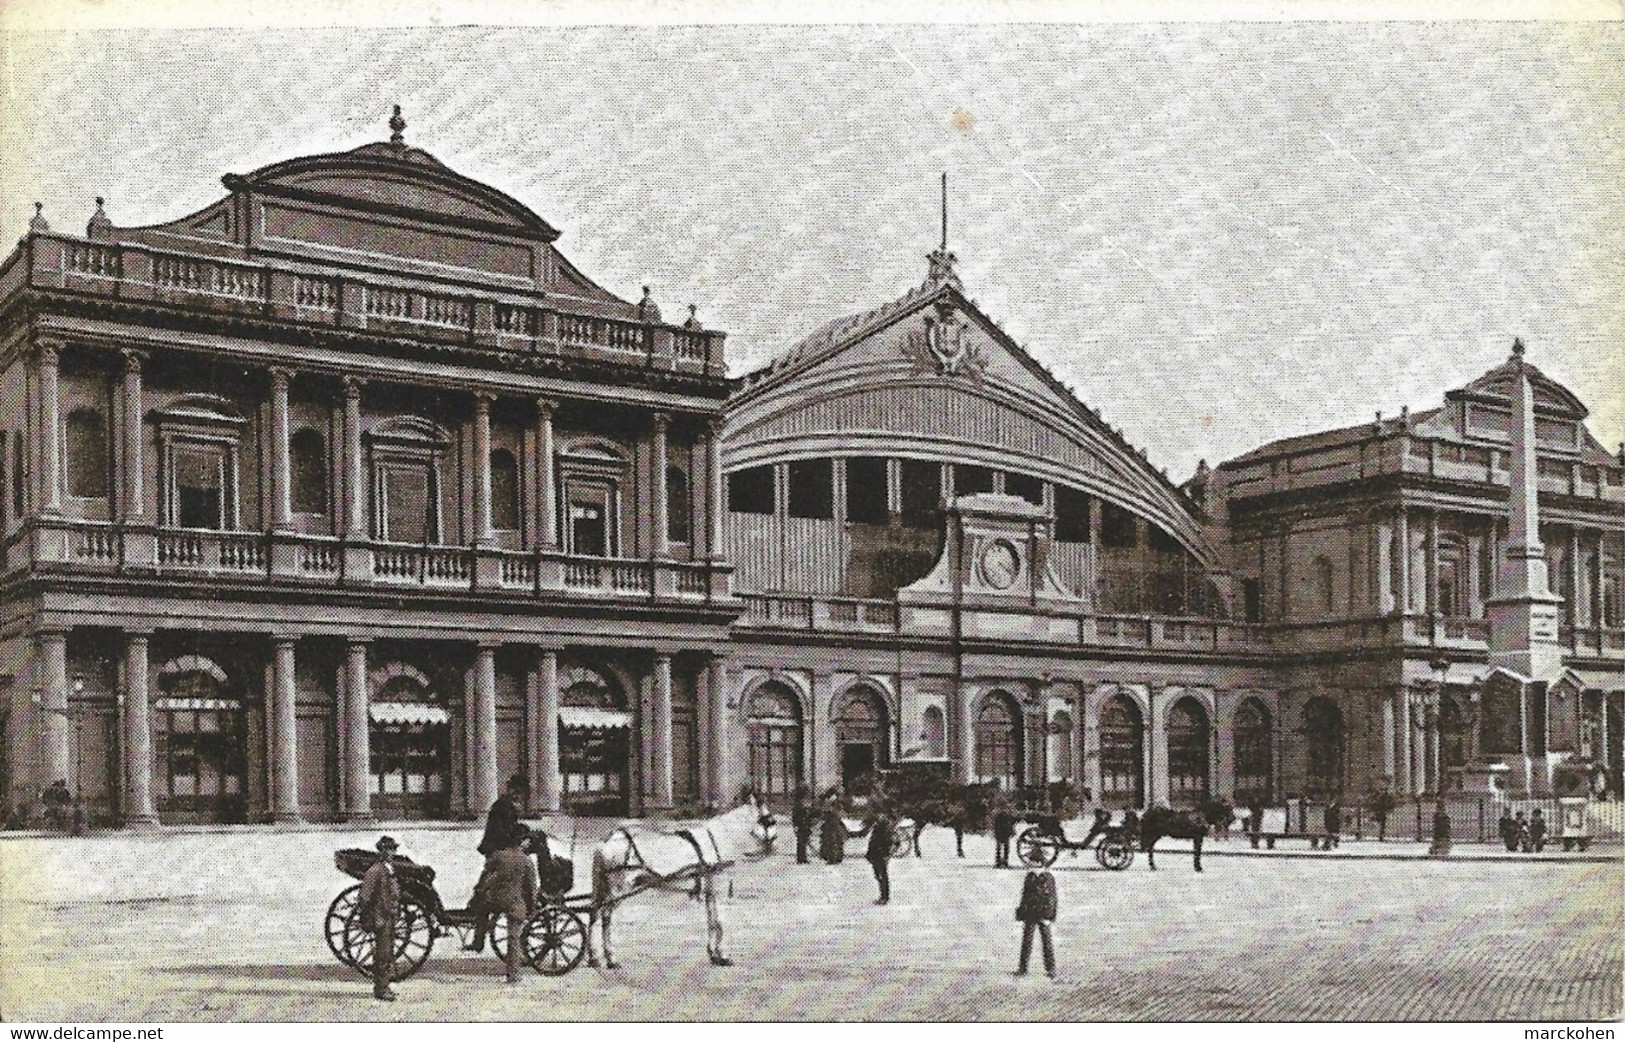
284,639
659,421
352,387
137,634
357,642
714,426
488,645
48,350
483,400
546,407
133,359
663,657
280,376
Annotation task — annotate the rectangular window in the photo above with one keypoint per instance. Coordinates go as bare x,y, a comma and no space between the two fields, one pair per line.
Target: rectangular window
1071,515
199,486
1026,486
407,497
969,479
866,490
1252,598
812,488
922,493
588,531
750,491
1117,527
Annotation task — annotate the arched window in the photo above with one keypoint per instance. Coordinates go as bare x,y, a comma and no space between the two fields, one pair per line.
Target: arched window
679,525
1323,748
861,737
933,733
1061,737
1456,745
307,451
998,742
198,738
594,743
1452,575
1255,759
1122,753
773,731
1188,735
87,454
504,491
1325,590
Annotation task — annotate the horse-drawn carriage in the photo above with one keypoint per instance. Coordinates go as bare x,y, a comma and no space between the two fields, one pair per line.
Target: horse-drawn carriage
1039,845
554,939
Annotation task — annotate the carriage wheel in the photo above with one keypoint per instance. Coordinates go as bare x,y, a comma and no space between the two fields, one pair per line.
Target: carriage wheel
555,941
1115,853
344,933
1035,849
499,937
900,840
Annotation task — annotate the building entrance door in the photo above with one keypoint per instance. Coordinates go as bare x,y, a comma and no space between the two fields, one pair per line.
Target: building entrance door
857,767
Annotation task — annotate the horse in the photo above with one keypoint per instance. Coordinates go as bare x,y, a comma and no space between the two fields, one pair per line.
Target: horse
687,858
1175,824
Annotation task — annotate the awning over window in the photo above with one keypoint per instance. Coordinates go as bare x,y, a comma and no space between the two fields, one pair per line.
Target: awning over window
196,703
585,716
407,713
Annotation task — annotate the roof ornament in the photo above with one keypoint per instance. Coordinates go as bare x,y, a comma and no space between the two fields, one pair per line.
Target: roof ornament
648,310
99,227
39,223
1517,347
693,318
1378,425
941,262
397,128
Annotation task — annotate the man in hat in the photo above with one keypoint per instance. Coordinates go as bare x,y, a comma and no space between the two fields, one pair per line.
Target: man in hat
503,829
801,819
508,887
379,905
879,851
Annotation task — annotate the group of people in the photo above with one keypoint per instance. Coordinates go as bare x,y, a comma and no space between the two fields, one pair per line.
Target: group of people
509,885
1521,834
881,830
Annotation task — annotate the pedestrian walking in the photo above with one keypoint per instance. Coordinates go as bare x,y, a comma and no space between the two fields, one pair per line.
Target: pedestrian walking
1507,829
801,819
1440,846
509,887
1333,820
1537,830
1004,827
1035,912
1520,833
832,831
879,852
379,905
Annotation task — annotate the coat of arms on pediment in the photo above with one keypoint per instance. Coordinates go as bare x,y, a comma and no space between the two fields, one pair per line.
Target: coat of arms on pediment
945,345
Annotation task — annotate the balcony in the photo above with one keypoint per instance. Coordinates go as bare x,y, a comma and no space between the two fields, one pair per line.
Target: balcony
91,547
442,311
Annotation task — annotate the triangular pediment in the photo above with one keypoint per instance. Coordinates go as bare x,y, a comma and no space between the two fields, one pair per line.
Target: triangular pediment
1495,387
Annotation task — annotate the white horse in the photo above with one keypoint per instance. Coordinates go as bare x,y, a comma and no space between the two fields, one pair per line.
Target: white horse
687,858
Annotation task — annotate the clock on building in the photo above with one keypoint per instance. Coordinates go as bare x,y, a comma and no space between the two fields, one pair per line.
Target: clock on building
1000,564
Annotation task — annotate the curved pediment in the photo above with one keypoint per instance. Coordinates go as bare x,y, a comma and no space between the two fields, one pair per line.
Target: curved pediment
410,430
209,410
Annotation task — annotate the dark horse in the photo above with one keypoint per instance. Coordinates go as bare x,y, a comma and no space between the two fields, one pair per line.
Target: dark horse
1175,824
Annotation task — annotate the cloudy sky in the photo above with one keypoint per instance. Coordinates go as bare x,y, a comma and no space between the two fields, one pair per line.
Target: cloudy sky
1217,233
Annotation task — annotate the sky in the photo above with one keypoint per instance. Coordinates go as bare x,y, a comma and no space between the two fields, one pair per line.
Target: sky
1217,233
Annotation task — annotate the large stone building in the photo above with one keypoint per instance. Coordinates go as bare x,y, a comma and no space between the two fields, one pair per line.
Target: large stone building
348,496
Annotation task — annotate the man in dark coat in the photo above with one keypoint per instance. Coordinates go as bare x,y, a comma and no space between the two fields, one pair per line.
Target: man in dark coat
801,819
509,887
1004,827
1333,822
879,852
378,906
1507,829
1036,911
1537,831
832,831
503,829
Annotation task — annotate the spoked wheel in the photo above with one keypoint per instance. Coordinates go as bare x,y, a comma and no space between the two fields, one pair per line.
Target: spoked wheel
414,939
499,937
1036,849
343,928
555,941
1114,852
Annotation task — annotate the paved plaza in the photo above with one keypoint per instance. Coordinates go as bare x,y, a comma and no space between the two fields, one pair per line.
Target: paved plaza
226,926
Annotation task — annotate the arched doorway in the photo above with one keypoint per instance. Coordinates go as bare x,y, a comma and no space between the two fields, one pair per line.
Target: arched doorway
410,741
773,732
1122,753
998,742
1323,748
861,737
1188,763
1255,754
1062,739
595,731
199,736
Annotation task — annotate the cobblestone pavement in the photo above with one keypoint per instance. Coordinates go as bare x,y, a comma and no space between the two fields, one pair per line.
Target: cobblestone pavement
218,926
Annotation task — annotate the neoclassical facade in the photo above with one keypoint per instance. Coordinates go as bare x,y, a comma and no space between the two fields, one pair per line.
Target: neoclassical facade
348,496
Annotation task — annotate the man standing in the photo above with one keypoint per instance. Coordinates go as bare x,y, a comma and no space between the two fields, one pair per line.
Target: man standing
1537,831
1036,911
879,854
1507,829
1004,827
378,907
801,819
503,829
509,887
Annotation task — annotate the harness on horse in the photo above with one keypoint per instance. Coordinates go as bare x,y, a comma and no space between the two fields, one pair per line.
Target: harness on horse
635,859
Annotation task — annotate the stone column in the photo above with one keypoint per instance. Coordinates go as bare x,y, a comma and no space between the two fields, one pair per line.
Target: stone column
357,739
546,724
1404,560
1432,564
47,360
1388,762
661,733
1157,746
1402,752
355,523
965,731
720,733
134,507
1384,559
284,733
52,657
139,810
658,545
716,503
483,535
483,751
281,470
547,510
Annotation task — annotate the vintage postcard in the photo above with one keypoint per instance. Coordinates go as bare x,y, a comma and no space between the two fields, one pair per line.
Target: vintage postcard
951,514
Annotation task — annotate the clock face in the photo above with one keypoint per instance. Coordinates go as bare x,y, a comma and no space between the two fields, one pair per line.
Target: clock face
1000,565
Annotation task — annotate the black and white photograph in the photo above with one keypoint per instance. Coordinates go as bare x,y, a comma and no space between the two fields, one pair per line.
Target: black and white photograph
952,514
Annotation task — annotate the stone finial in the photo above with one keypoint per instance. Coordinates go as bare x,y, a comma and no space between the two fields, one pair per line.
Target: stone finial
1377,426
397,128
39,223
1517,347
693,318
1405,416
648,310
99,227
